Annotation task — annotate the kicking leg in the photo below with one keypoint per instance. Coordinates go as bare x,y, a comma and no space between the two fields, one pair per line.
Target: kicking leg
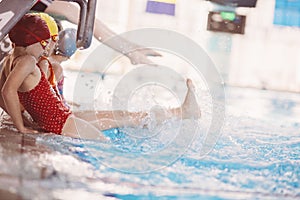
111,119
78,128
104,120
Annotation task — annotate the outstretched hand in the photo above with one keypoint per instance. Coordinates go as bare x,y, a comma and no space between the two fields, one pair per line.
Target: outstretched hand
139,56
149,52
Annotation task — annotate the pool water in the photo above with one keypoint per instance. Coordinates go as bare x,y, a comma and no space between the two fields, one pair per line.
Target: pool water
257,156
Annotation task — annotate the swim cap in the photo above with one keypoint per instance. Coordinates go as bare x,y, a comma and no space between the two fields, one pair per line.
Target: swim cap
50,23
29,30
66,45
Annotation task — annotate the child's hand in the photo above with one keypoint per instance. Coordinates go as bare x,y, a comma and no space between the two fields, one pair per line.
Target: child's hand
28,130
149,52
140,56
28,122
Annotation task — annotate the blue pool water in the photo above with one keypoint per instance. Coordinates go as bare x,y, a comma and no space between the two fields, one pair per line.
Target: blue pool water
256,157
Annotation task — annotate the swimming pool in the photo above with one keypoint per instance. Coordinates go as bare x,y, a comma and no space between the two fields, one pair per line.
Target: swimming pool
256,157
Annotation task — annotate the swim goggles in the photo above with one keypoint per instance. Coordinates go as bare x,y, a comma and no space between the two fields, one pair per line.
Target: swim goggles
54,38
44,43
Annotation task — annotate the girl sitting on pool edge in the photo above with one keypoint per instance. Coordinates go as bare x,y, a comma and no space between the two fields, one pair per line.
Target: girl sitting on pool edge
23,81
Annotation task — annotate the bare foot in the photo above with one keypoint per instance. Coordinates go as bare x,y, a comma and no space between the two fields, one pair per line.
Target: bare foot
190,107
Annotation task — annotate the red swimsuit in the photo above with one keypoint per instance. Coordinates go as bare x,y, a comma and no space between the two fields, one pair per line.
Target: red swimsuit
45,107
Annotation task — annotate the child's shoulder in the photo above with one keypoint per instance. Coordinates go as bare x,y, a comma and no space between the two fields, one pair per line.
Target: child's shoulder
26,61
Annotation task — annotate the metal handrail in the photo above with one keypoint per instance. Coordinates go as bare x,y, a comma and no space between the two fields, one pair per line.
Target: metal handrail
89,23
81,22
85,23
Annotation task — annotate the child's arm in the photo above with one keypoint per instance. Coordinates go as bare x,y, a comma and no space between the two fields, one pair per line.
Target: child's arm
58,70
103,34
24,67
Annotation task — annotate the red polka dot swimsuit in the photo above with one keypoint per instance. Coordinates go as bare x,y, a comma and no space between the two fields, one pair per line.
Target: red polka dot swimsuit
45,107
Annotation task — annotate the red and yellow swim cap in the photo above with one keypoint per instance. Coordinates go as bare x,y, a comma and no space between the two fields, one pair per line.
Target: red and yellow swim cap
29,30
50,23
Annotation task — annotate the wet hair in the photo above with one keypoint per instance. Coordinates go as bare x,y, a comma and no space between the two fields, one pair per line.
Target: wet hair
29,30
66,45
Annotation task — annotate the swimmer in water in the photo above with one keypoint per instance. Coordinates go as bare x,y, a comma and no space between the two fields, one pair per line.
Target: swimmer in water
22,81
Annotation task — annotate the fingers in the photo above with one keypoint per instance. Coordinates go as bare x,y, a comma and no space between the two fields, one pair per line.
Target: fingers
142,59
151,53
28,130
148,52
34,131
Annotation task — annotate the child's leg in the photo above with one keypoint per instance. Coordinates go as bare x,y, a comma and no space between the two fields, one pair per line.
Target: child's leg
111,119
78,128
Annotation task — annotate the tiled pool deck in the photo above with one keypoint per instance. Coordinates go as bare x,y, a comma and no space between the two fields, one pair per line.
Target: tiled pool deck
14,147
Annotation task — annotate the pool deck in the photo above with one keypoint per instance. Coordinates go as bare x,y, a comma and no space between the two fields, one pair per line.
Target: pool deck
29,169
14,146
